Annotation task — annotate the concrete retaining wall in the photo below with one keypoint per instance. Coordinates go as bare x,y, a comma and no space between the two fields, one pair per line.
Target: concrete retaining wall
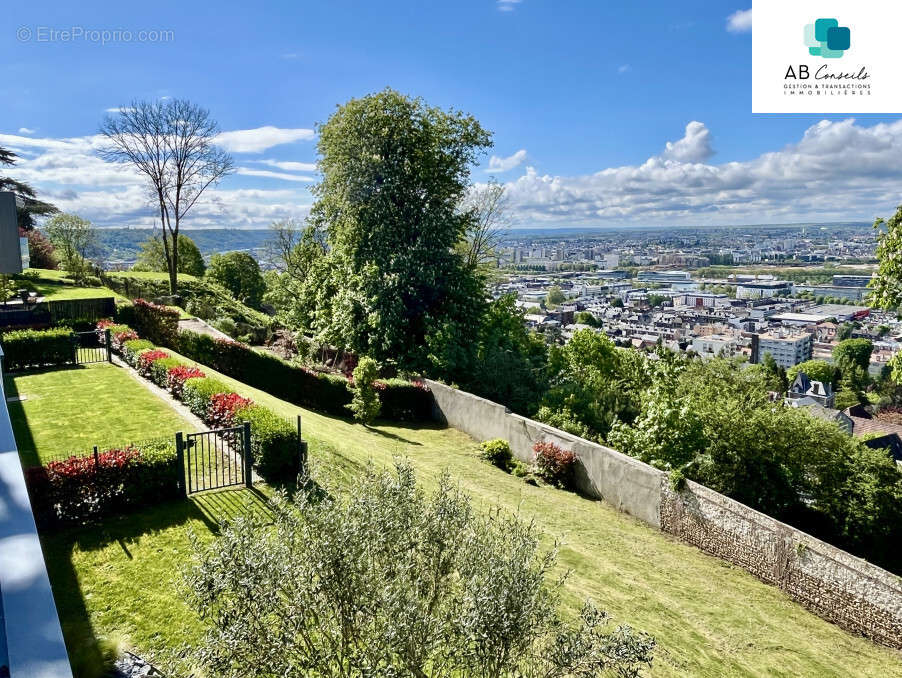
624,482
833,584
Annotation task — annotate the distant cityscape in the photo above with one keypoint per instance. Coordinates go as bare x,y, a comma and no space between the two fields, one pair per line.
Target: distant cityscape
779,290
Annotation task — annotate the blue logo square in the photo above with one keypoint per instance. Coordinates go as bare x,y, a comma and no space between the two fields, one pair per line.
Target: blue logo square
838,37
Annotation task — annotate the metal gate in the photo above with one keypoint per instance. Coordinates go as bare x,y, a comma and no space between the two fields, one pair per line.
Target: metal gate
87,348
215,459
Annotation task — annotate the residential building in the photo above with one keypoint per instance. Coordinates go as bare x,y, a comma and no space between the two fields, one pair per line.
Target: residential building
786,348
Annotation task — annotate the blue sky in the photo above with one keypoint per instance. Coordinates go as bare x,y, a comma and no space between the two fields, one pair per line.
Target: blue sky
583,98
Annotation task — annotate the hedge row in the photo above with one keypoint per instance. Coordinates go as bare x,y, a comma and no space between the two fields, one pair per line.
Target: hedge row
274,442
80,489
37,348
324,392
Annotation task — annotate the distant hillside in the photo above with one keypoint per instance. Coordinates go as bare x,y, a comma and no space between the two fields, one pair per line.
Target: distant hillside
121,245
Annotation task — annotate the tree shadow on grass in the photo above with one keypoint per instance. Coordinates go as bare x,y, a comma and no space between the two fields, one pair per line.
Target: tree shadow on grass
90,656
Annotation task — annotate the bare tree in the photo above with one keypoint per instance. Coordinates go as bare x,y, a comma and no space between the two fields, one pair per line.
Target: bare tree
171,143
488,207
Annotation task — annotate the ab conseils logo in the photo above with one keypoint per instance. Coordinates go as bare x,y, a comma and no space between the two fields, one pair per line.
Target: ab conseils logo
826,38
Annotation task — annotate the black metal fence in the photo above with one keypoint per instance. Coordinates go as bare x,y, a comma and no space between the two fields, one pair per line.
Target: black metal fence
89,349
216,459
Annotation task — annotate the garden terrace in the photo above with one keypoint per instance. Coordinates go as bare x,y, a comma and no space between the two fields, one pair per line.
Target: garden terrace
119,579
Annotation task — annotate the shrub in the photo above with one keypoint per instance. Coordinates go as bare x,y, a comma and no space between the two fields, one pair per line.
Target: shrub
223,408
79,489
34,348
158,323
196,394
497,452
159,370
147,358
555,465
415,583
130,350
320,391
178,375
365,404
274,443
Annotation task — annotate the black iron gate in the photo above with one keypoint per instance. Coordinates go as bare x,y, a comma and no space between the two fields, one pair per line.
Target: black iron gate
215,459
88,348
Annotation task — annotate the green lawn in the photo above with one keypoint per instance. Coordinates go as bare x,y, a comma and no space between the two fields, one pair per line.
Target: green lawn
710,618
69,410
151,275
58,286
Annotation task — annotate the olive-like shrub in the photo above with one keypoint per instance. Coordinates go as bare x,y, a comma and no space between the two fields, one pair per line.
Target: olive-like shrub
385,580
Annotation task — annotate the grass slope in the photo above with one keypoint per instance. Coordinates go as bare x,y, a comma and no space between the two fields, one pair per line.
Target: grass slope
58,286
69,410
709,618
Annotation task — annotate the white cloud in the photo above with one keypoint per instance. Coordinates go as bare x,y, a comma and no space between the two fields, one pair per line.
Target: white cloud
740,21
261,138
508,5
624,68
498,164
248,172
25,130
119,109
69,173
289,166
837,171
695,146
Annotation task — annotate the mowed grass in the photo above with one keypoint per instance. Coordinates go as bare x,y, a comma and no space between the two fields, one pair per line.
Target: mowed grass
72,409
709,618
58,286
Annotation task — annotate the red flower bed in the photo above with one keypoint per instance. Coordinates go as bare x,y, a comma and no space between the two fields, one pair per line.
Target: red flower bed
84,487
554,464
177,376
223,407
146,359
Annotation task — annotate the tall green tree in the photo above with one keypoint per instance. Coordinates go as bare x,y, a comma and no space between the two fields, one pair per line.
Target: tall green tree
394,173
152,256
74,241
31,207
853,352
240,274
887,284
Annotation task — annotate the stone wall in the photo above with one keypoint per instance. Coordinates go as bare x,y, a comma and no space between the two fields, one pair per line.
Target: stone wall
833,584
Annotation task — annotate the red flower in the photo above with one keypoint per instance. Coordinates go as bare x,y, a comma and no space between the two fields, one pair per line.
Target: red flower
178,375
223,408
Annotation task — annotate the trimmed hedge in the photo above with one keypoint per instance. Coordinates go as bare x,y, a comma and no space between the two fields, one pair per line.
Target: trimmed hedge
274,442
81,489
157,323
197,392
36,348
324,392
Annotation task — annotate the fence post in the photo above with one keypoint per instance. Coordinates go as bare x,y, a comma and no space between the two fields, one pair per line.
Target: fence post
248,456
302,452
180,461
74,340
96,458
107,336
